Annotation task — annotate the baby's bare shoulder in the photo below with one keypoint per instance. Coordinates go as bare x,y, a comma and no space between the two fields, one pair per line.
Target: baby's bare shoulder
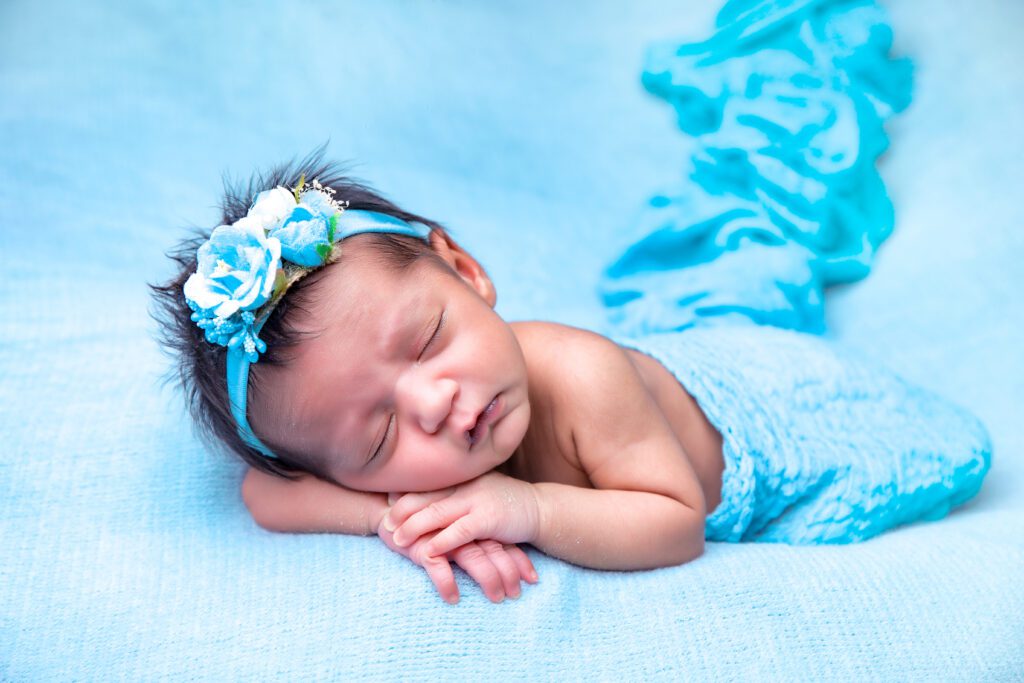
620,436
554,348
570,362
547,334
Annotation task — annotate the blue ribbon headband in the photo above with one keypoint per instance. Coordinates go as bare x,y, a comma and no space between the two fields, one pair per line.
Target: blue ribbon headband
349,223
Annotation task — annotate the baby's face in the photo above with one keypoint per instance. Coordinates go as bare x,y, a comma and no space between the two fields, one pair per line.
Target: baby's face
413,384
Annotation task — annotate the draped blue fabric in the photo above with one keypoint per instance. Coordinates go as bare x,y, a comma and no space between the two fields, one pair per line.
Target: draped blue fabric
785,103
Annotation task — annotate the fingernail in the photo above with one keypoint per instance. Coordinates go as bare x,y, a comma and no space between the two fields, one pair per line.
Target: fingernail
452,599
533,577
514,595
388,524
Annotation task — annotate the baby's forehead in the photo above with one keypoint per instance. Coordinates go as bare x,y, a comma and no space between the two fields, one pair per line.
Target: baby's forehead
364,311
361,287
357,277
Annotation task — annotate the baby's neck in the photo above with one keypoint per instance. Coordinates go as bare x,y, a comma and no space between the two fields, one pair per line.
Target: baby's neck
513,467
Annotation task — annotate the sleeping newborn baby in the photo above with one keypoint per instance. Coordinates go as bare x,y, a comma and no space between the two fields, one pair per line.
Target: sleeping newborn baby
349,352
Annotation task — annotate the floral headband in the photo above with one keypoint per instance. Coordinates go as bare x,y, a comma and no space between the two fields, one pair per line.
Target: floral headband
245,268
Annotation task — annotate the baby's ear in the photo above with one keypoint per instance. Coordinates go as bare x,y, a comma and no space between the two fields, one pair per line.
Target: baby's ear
464,265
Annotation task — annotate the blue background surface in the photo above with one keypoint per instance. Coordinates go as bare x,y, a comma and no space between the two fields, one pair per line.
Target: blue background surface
127,553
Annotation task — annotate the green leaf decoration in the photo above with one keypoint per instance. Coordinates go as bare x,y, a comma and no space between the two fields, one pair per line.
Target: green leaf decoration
323,251
280,282
298,188
331,227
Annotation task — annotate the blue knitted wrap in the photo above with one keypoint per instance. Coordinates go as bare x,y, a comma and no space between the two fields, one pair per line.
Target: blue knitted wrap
821,445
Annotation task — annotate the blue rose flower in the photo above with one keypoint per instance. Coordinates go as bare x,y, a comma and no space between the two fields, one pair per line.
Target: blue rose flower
236,271
318,201
271,208
305,236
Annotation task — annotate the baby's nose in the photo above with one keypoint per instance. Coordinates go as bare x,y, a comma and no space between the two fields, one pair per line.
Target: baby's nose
436,403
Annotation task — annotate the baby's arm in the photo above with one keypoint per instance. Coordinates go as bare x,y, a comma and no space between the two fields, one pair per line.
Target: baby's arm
647,508
310,505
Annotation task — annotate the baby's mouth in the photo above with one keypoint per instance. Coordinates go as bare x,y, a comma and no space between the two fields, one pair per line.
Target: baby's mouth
482,421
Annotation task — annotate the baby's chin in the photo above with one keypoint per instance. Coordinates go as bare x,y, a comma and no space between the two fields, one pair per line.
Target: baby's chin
461,477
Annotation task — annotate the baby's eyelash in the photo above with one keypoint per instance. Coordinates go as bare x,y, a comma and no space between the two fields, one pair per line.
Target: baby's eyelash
383,440
437,333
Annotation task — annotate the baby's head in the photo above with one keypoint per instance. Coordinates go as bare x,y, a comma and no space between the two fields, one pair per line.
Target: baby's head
385,368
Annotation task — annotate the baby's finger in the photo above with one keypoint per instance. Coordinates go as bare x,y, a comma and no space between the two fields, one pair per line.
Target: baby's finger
436,515
440,573
507,569
523,563
477,563
459,532
409,504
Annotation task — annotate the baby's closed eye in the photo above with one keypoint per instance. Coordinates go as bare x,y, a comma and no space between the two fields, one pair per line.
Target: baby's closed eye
384,439
437,333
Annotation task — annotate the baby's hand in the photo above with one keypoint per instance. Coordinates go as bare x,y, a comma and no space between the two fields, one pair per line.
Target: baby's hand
497,568
492,506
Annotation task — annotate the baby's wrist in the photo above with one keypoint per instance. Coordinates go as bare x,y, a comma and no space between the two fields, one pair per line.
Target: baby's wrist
540,493
377,509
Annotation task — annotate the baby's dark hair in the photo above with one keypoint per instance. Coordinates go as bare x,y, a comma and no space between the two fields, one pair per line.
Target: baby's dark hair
200,365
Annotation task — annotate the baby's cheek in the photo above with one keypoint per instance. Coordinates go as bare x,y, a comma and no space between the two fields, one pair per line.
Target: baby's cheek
440,473
511,431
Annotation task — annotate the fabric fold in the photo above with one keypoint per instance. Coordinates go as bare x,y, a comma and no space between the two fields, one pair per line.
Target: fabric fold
786,105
